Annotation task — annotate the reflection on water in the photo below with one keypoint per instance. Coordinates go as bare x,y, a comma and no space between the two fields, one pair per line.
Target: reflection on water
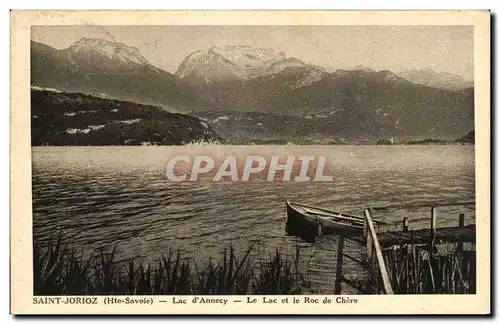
103,195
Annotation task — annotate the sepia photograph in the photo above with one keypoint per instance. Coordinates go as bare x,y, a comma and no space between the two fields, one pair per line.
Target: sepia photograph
242,160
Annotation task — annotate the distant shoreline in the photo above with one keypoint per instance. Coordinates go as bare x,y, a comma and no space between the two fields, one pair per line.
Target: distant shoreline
267,144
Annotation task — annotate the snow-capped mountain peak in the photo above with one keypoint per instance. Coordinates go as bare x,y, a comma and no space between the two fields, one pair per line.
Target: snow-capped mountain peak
111,50
239,61
284,64
442,80
249,57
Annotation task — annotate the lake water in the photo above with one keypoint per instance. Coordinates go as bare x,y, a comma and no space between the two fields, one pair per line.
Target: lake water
98,196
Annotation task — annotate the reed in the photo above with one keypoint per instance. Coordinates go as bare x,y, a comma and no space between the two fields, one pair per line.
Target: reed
413,270
278,276
62,270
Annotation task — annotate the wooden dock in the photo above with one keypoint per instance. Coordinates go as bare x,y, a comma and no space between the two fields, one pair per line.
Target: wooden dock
336,266
342,264
423,236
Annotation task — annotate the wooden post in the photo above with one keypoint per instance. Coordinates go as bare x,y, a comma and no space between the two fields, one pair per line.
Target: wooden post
378,255
431,246
339,272
367,238
433,220
405,224
369,246
365,230
433,230
375,272
461,220
461,223
320,230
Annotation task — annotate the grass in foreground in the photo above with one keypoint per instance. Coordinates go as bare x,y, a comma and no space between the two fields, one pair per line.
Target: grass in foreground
62,270
413,270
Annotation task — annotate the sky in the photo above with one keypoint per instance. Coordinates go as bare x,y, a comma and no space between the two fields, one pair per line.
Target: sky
395,48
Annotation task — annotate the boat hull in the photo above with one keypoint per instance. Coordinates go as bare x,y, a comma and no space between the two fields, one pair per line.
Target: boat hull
302,224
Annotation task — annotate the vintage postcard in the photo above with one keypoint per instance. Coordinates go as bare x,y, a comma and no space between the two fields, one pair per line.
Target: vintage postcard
240,162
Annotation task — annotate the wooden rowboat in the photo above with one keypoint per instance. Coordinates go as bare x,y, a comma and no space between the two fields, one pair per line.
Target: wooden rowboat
312,221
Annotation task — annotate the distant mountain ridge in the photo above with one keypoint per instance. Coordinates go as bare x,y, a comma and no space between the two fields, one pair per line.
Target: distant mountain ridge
113,51
256,89
442,80
236,63
108,69
231,62
358,104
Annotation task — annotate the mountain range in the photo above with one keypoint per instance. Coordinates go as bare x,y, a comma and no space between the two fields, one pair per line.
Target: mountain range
261,95
108,69
442,80
237,63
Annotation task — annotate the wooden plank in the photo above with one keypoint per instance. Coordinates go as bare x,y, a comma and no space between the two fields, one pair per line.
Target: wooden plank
328,215
369,245
338,273
421,236
328,210
332,213
365,230
320,271
378,252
